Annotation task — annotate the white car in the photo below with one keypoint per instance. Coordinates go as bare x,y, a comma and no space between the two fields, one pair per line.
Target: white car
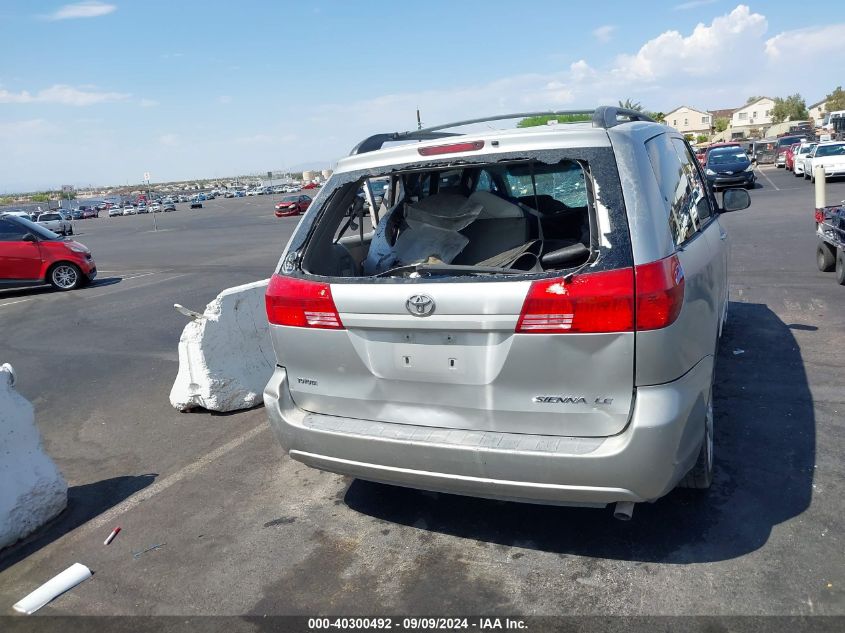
831,156
56,223
115,211
155,207
129,210
253,192
801,155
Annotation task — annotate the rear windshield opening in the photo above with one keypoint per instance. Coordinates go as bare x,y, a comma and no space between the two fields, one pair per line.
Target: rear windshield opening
502,218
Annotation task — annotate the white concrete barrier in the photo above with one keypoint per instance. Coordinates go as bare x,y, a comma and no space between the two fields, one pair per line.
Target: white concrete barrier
32,490
225,354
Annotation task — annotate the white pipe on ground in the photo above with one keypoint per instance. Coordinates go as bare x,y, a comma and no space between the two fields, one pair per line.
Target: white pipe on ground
818,175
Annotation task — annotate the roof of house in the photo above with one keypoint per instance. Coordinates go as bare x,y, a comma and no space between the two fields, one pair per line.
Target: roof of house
688,108
815,105
724,113
751,103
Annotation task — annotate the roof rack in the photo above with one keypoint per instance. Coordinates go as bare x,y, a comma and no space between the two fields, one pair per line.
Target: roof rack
603,117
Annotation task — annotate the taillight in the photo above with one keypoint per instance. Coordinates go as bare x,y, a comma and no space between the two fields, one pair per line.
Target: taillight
819,215
605,301
660,293
593,302
452,148
301,303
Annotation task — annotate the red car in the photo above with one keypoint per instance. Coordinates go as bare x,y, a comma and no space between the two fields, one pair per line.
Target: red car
790,156
292,205
30,255
310,185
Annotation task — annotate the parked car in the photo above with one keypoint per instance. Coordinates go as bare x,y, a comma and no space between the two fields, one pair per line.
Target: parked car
310,185
33,255
129,210
799,156
115,211
292,205
713,146
765,151
789,165
196,203
729,167
829,155
55,222
229,194
142,208
19,214
169,206
240,194
783,143
490,339
155,207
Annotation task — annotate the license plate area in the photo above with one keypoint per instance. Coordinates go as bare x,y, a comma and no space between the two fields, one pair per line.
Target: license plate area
433,356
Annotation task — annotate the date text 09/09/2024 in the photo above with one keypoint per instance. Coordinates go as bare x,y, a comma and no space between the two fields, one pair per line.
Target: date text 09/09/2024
416,624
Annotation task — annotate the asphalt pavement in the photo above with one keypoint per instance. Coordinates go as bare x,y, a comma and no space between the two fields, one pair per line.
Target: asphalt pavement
245,530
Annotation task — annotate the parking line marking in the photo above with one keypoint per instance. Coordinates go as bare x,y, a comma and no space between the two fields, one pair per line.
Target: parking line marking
163,484
763,174
11,303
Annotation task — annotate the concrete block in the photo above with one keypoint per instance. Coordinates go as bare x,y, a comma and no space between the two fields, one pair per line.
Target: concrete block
32,490
225,354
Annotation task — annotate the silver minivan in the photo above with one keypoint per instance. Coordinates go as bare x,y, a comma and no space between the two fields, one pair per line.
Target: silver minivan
528,314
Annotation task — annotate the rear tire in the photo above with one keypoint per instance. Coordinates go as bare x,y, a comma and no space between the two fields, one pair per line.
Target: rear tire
825,257
65,276
70,231
700,475
840,267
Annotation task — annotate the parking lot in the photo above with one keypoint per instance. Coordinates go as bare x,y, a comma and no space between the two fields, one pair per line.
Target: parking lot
248,531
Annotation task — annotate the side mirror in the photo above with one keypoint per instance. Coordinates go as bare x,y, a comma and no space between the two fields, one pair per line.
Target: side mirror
735,200
29,237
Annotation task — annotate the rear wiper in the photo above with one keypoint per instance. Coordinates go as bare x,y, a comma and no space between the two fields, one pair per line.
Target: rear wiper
449,269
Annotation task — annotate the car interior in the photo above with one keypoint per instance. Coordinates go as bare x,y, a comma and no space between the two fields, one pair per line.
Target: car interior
524,216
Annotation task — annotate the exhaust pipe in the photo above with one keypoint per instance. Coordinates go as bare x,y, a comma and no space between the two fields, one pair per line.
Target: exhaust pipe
623,510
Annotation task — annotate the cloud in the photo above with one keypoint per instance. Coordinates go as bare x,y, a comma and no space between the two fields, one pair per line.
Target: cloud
224,99
705,52
693,4
168,140
63,95
148,103
604,33
90,9
813,43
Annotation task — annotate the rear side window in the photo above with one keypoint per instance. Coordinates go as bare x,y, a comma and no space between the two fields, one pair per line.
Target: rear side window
680,186
701,206
11,232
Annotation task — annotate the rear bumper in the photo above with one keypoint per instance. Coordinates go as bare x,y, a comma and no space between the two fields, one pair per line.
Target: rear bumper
642,463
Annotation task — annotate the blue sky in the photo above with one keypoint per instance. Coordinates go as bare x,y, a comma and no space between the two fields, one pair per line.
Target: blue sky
99,92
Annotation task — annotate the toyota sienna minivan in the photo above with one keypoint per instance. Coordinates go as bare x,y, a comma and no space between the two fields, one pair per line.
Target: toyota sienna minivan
529,314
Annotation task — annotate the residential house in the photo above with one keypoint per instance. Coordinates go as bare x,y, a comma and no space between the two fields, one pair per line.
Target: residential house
817,111
756,115
689,120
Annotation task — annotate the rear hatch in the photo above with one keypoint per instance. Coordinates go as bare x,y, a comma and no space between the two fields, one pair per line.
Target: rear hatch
543,351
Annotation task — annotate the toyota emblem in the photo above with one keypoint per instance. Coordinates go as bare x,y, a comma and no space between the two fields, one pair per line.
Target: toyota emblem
420,305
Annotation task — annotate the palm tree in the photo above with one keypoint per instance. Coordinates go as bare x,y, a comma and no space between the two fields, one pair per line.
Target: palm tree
631,105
